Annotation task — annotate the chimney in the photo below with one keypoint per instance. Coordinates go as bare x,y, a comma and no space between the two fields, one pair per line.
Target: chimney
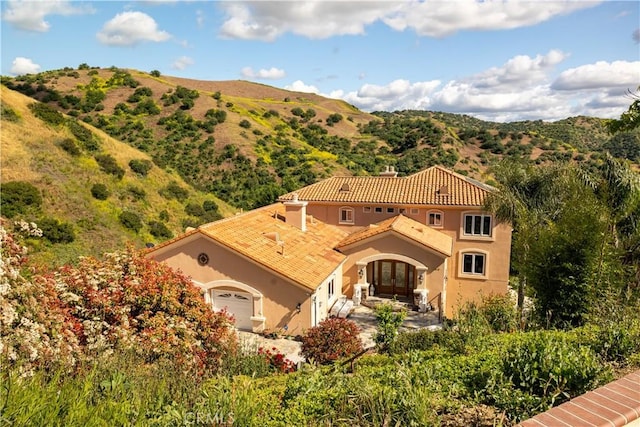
296,212
390,171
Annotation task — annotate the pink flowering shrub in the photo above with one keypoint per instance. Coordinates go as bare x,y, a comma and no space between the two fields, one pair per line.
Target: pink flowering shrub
123,303
332,339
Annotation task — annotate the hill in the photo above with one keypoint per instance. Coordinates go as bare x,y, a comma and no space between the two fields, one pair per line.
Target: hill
234,141
247,142
50,158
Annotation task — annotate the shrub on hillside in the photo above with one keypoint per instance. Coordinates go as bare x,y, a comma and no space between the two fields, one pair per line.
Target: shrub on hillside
100,191
140,166
159,230
130,220
19,197
174,191
244,123
47,113
109,165
70,146
56,231
332,339
9,114
84,135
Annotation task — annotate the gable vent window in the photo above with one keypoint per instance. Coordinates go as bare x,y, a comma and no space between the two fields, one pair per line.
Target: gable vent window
378,209
346,215
477,225
391,210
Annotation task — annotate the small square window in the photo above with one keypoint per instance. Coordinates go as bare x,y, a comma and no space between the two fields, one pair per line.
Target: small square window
366,209
435,219
346,215
391,210
378,209
402,210
415,211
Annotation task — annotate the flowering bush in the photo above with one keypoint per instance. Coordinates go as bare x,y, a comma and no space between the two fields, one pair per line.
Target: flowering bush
125,302
277,360
332,339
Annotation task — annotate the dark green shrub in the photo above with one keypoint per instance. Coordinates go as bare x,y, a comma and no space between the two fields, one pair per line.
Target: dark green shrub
47,113
19,197
194,209
130,220
100,191
109,165
217,95
244,123
174,191
332,339
84,135
164,215
333,119
70,146
56,231
422,339
159,230
155,73
140,166
210,206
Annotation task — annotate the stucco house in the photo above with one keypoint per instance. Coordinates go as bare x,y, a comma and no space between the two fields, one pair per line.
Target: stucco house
423,238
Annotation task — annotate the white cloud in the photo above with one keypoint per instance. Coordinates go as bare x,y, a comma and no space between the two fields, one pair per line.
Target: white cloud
130,28
600,75
30,15
22,65
300,86
521,89
182,63
441,19
264,74
435,18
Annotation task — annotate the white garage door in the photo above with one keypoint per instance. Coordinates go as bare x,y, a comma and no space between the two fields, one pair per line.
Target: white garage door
239,304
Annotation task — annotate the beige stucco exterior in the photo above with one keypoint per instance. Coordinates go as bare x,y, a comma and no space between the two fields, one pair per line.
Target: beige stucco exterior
296,259
275,299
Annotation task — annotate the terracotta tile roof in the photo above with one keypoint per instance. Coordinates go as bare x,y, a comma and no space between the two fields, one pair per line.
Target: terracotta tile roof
433,186
306,258
615,404
408,228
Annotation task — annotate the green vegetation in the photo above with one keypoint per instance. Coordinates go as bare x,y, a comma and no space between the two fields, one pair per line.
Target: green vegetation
19,198
331,340
130,220
140,166
55,231
108,164
100,191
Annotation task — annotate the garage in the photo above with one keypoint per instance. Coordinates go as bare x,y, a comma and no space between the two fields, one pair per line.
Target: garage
239,304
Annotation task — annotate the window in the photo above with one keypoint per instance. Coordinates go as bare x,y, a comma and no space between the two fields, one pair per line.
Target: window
366,209
474,263
477,225
346,215
391,210
378,209
330,290
402,210
415,211
434,218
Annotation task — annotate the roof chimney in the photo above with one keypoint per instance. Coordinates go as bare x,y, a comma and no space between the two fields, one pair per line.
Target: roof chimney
296,212
390,171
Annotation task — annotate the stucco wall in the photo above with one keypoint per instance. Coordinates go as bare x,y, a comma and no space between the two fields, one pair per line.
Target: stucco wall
280,296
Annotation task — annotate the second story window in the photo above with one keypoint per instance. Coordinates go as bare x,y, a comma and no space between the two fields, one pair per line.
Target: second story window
477,225
474,263
330,289
346,215
434,218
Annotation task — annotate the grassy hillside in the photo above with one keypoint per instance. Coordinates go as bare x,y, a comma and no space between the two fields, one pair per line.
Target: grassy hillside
32,152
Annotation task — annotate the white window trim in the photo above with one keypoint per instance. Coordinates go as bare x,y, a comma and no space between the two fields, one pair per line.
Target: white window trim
366,209
331,290
346,209
378,211
463,274
390,210
436,211
414,211
464,236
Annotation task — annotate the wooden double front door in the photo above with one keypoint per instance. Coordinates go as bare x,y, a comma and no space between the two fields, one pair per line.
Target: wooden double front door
393,277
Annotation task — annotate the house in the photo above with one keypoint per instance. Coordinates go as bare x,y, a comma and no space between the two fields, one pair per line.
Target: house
423,238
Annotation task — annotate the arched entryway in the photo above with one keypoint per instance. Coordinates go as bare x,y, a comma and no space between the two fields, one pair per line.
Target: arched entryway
392,277
391,274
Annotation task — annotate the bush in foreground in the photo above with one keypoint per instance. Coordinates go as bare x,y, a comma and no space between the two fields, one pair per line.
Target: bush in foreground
332,339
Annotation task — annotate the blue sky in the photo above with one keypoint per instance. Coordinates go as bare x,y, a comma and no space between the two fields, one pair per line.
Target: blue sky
495,60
